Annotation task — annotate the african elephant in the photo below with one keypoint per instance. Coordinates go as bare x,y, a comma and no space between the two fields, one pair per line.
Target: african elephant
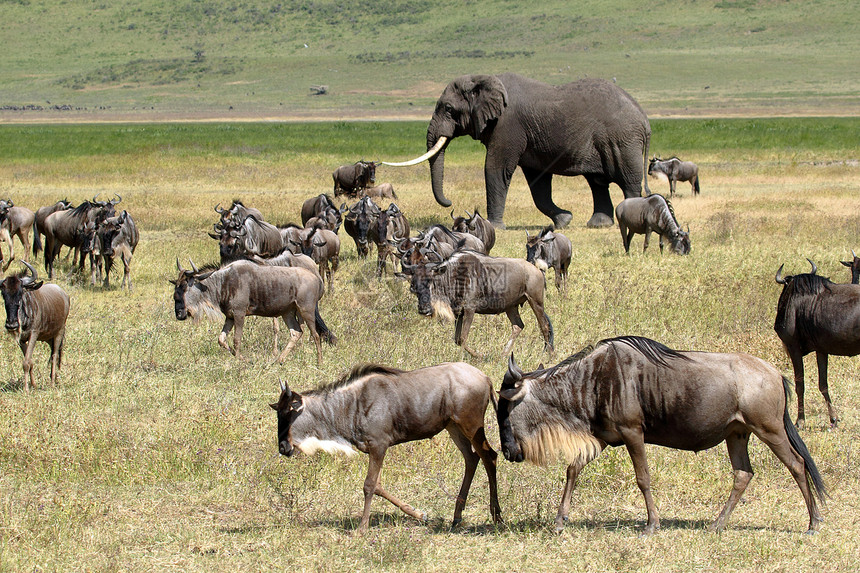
590,127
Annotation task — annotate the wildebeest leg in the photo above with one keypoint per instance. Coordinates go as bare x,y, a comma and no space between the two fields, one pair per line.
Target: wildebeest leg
569,485
295,333
737,445
471,458
543,323
239,324
56,345
126,273
635,442
488,457
222,338
647,240
276,331
372,486
821,357
661,244
461,330
27,347
799,386
516,327
672,182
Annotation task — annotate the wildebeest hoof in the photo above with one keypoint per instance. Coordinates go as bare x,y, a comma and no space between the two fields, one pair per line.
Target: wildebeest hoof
562,220
599,221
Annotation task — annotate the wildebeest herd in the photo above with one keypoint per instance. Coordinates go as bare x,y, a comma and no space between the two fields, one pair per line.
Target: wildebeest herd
626,390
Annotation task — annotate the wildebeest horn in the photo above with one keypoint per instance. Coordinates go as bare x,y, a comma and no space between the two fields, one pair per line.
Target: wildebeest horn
779,278
193,267
179,266
96,197
514,369
452,213
283,385
219,210
214,236
852,254
814,268
118,200
33,273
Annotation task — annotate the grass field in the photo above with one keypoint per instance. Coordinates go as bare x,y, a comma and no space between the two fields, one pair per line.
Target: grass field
157,450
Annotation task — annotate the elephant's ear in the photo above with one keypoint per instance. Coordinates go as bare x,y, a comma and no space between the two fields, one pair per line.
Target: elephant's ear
487,99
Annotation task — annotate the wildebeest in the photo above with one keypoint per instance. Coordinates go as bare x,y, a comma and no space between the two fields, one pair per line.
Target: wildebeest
815,314
458,240
550,249
65,227
15,222
643,215
381,191
118,236
469,282
35,312
390,227
476,225
42,214
634,391
351,179
675,170
854,266
323,246
375,407
238,212
244,288
357,222
321,207
249,236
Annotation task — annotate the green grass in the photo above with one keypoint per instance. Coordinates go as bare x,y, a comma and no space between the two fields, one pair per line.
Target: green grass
157,450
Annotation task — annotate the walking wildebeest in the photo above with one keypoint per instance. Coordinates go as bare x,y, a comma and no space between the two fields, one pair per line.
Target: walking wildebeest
35,312
854,266
643,215
375,407
390,227
675,170
815,314
323,246
351,179
39,223
476,225
469,282
550,250
15,222
357,222
244,288
633,391
118,236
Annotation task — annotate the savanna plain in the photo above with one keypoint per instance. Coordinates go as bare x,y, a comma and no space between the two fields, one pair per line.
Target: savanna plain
157,450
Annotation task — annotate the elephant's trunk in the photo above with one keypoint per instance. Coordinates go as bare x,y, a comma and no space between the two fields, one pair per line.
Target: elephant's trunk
437,178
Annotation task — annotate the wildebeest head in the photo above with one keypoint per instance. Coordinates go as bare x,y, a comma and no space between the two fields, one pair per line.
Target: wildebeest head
88,237
230,240
108,231
187,281
679,243
854,266
537,247
12,289
512,391
288,407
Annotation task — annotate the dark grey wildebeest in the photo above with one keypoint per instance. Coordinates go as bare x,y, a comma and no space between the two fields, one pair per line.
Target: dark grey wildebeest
854,266
816,315
458,240
357,222
42,214
350,180
237,213
15,222
321,210
633,391
644,215
66,227
323,246
249,236
390,227
244,288
675,170
550,250
375,407
118,237
469,282
35,312
475,225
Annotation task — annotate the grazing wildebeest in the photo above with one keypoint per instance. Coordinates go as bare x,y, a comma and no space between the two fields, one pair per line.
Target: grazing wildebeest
357,222
458,240
675,170
249,236
323,246
15,222
381,191
643,215
35,312
550,249
244,288
351,179
390,227
321,207
375,407
469,282
476,225
854,266
633,391
65,227
118,236
815,314
238,212
39,223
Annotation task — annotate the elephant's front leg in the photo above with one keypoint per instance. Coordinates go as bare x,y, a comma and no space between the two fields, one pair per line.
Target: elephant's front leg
540,183
497,177
602,216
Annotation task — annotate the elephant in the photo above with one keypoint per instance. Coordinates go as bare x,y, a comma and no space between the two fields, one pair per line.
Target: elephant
590,127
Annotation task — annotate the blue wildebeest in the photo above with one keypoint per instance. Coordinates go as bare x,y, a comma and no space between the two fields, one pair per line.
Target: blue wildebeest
458,240
237,213
39,223
66,227
118,236
375,407
381,191
854,266
391,226
349,180
16,222
244,288
323,246
633,391
320,210
357,221
476,225
35,312
550,250
469,282
643,215
675,170
250,236
815,314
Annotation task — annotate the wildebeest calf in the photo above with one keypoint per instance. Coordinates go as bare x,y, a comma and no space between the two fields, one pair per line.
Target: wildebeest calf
550,250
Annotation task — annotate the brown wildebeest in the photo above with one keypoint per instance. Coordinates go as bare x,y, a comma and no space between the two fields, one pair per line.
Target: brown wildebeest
633,391
550,250
249,236
237,213
118,236
675,170
381,191
244,288
15,222
390,227
42,214
35,312
357,221
321,210
854,266
815,314
476,225
323,246
65,227
351,179
375,407
643,215
469,282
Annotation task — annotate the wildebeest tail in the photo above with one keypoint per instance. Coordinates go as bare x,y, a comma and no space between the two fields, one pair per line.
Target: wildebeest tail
326,335
37,240
812,474
696,185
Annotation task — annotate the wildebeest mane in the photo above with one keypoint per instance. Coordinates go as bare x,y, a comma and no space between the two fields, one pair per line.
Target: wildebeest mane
807,284
81,209
572,359
207,268
656,353
354,374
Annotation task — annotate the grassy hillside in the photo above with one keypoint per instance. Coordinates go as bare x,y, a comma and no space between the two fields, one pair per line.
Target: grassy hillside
258,59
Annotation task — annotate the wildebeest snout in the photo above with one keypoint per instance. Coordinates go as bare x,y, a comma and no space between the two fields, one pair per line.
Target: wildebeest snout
285,448
181,313
12,323
514,454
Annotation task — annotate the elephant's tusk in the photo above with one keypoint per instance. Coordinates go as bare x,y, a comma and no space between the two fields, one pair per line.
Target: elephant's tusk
439,144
